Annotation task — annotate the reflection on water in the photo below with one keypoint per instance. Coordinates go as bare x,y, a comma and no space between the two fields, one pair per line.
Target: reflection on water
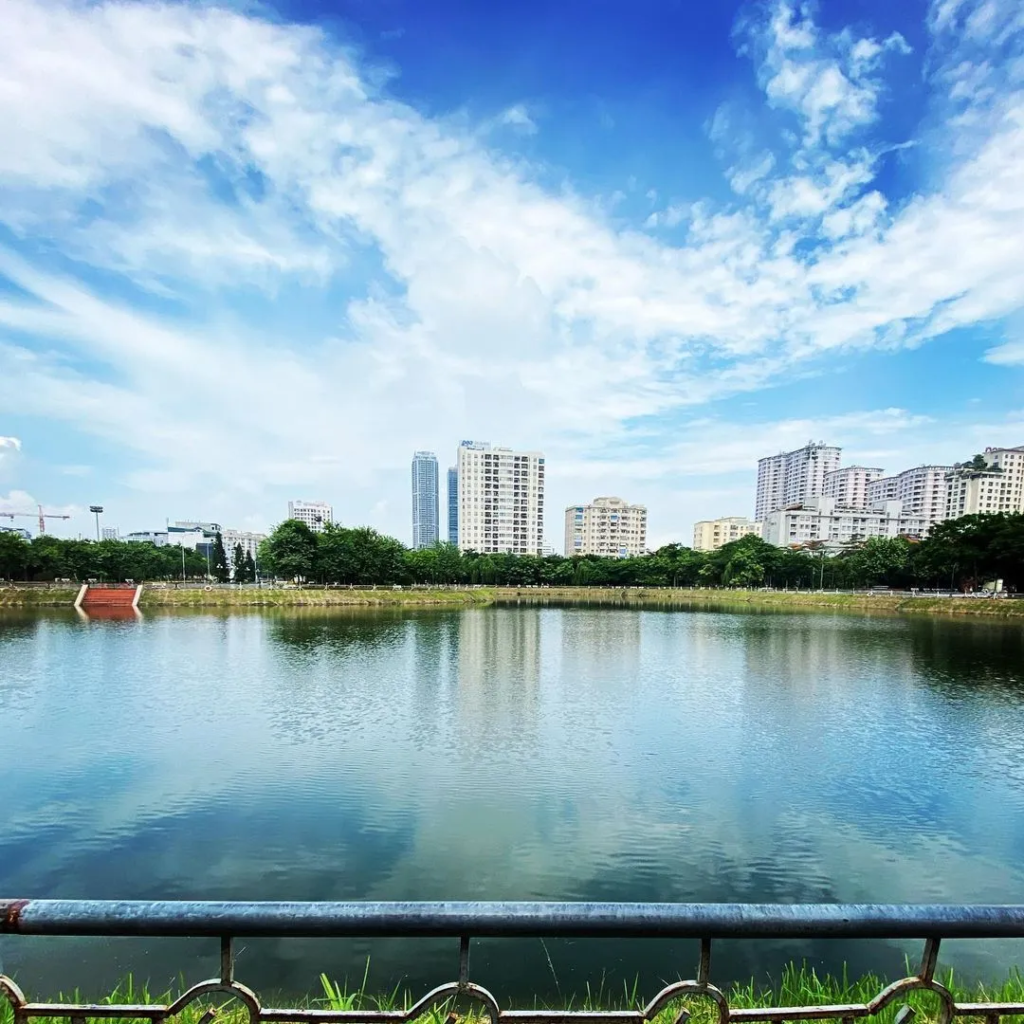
566,753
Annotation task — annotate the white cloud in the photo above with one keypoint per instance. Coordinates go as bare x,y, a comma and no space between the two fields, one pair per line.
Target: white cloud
518,117
741,178
10,447
829,83
203,152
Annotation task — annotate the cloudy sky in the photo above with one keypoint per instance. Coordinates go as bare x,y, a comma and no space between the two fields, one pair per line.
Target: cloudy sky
252,253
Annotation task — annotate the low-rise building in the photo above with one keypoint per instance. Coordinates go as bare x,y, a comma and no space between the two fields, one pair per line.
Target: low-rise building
823,521
609,527
711,534
190,536
157,537
248,540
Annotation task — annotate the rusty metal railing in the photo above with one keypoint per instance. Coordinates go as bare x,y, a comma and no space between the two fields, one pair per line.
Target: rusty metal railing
465,921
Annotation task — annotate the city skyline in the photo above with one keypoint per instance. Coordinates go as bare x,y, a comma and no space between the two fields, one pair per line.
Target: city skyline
920,491
653,243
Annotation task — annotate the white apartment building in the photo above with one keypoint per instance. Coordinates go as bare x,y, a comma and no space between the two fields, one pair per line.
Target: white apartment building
315,514
849,485
250,542
157,537
792,477
922,490
997,488
501,499
823,520
609,527
711,534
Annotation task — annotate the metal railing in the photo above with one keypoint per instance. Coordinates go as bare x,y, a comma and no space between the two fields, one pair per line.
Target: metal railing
464,921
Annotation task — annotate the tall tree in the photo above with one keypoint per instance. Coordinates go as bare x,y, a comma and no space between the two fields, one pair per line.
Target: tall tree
250,568
238,564
219,565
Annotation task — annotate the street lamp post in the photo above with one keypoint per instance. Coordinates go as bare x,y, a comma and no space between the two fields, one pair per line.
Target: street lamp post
96,510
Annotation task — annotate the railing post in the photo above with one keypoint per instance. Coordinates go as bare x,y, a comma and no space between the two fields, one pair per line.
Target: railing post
227,966
463,961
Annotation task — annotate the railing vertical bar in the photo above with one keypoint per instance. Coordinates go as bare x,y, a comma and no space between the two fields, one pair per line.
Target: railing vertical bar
227,966
704,967
930,959
464,961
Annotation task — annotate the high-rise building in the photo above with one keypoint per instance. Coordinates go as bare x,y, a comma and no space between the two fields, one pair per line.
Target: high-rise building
501,499
315,514
792,477
994,483
849,485
424,500
822,521
609,527
921,489
453,504
711,534
111,533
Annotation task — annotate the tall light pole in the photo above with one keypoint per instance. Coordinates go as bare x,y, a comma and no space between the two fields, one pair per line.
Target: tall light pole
96,510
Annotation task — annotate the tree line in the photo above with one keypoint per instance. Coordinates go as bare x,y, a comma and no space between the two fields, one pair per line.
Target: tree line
960,554
52,558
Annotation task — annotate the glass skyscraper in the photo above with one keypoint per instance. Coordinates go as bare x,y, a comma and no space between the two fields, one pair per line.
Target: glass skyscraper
453,505
424,500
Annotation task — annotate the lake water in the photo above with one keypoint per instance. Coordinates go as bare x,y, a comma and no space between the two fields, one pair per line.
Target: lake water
576,754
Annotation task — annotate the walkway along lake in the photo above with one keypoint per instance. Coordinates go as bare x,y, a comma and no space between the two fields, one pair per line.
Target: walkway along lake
506,753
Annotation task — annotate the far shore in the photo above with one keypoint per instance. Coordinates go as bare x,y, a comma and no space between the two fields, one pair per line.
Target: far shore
155,596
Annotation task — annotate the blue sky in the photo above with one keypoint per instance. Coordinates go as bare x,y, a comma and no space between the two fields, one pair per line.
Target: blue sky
252,253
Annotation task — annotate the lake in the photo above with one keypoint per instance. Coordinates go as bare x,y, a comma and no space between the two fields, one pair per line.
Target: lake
506,753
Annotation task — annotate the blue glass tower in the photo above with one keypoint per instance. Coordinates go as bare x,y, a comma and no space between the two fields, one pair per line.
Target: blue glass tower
453,505
424,500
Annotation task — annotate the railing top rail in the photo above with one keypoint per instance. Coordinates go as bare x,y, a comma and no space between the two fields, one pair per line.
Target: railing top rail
526,919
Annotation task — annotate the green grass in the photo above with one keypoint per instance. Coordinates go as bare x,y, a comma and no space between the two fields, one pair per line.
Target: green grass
293,597
751,600
798,985
37,597
758,600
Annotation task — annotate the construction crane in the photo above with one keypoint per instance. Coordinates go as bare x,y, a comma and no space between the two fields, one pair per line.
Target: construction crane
43,516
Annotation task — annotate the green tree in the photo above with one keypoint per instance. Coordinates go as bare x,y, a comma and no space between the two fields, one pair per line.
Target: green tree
250,568
290,552
238,564
744,569
220,567
14,555
360,556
